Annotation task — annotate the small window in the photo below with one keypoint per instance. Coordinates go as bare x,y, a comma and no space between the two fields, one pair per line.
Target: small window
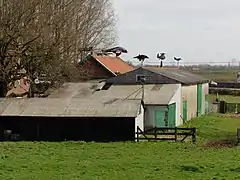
140,78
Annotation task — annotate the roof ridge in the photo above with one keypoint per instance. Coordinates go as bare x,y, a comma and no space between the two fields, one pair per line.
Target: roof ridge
178,75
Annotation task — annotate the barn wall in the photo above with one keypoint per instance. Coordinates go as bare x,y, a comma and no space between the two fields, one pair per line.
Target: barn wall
206,88
139,120
177,99
149,121
75,129
189,93
205,93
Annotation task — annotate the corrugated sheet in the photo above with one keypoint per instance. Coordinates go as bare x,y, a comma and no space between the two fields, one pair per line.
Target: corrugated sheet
184,77
69,107
159,94
76,90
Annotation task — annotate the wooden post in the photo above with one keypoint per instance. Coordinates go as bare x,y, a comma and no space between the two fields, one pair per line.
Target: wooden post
38,131
142,92
137,134
194,135
175,134
238,136
155,133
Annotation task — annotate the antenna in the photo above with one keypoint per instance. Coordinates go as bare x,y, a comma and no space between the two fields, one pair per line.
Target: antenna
161,57
178,60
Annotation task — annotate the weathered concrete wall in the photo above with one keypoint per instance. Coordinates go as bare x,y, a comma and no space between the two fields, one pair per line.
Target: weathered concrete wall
189,93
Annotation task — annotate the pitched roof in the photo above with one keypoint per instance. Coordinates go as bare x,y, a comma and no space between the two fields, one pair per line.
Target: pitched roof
156,94
179,75
74,107
76,90
158,76
114,65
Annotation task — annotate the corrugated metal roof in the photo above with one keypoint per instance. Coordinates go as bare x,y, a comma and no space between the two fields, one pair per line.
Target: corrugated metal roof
159,94
184,77
76,90
69,107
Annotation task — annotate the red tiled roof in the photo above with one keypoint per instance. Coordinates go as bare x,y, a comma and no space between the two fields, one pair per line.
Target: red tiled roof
114,64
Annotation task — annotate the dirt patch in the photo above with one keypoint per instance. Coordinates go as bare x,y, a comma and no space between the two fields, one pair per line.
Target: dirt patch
231,115
221,144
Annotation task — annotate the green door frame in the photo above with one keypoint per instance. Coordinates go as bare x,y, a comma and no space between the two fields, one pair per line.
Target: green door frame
172,115
199,99
184,111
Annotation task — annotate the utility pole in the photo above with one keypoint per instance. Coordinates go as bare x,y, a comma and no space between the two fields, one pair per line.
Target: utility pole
142,78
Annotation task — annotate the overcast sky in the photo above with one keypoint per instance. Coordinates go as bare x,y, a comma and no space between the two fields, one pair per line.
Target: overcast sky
196,30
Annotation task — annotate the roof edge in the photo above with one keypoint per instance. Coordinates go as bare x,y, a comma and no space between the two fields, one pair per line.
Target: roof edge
183,83
148,69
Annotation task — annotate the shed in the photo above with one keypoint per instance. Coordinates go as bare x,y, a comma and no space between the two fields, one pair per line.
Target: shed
162,102
194,87
55,119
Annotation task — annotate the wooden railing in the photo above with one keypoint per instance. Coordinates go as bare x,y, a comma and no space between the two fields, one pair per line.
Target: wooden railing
234,85
169,134
238,136
233,107
225,107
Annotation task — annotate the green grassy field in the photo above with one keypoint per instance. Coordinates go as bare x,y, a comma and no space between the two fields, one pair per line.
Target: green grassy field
223,75
220,76
112,161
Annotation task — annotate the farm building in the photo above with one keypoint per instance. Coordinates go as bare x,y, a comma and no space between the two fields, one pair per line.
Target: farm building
55,119
104,66
162,102
194,88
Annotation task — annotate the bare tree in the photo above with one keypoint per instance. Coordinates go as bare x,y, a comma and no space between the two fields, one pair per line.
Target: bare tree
48,36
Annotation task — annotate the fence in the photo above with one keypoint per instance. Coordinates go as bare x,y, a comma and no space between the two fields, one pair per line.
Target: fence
233,108
225,107
238,136
169,134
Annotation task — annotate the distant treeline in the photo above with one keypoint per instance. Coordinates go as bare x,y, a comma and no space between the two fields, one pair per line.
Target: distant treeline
226,85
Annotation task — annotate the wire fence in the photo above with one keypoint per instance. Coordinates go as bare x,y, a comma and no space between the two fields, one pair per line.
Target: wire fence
187,63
